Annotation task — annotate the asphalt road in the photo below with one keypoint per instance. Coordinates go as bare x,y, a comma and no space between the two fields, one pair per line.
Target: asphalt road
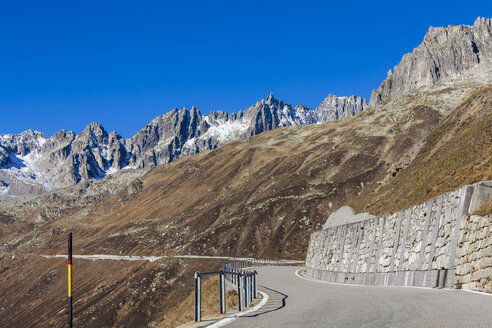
296,302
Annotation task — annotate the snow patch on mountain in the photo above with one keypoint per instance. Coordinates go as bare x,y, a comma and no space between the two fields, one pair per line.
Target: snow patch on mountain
227,131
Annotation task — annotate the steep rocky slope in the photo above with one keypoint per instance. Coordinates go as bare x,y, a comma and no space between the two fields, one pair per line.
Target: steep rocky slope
456,153
31,164
444,53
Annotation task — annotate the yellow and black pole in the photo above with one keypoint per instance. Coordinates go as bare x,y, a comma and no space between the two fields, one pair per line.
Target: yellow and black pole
70,280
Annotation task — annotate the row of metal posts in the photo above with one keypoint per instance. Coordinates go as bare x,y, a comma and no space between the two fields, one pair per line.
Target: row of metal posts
245,280
247,289
253,262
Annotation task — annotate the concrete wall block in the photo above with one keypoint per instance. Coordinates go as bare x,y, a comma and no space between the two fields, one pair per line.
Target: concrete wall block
481,195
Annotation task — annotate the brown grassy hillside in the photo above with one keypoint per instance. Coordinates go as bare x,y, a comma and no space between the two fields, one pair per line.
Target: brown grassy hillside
105,293
261,197
456,153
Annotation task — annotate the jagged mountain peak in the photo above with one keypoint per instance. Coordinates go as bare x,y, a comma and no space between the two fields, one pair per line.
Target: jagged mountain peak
483,21
93,135
94,126
95,131
270,99
446,52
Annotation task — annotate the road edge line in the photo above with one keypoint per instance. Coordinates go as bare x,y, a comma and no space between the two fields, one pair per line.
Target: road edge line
236,316
357,285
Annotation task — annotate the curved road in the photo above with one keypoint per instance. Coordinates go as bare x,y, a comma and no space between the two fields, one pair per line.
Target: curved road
298,302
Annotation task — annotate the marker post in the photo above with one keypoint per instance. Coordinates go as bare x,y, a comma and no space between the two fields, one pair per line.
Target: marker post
70,280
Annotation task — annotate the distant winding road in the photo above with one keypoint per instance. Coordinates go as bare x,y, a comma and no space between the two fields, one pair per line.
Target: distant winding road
300,302
95,257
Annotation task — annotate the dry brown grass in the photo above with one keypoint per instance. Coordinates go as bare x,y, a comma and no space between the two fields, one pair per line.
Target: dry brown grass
485,210
106,293
262,197
184,311
457,153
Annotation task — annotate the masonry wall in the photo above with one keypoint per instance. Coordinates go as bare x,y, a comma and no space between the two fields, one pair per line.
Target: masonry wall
474,254
413,247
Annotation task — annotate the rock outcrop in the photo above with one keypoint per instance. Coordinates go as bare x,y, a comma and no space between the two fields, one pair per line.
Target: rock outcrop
336,108
444,53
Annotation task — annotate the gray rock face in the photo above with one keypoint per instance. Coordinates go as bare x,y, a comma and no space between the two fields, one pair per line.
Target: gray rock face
335,108
30,164
162,139
445,52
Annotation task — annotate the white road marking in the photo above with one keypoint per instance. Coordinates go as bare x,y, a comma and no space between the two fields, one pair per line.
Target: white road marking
477,292
358,285
234,317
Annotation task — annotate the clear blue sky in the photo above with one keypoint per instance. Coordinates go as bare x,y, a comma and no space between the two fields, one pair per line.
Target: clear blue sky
64,64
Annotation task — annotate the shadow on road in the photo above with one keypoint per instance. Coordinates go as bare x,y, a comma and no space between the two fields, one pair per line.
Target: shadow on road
276,301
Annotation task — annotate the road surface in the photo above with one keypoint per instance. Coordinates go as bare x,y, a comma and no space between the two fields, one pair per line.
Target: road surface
297,302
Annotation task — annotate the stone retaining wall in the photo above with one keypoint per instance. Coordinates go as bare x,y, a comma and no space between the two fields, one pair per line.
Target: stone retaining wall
413,247
474,254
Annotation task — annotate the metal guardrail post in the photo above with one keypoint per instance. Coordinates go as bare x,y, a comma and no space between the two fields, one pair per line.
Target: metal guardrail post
250,283
256,284
222,292
251,286
246,290
239,293
198,297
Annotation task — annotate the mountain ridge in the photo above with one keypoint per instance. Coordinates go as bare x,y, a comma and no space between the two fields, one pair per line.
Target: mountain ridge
32,164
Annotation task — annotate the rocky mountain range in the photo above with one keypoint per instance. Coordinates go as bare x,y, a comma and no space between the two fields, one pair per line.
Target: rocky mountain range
31,164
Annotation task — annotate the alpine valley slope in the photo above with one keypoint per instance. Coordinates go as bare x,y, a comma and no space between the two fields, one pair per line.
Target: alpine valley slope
259,197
